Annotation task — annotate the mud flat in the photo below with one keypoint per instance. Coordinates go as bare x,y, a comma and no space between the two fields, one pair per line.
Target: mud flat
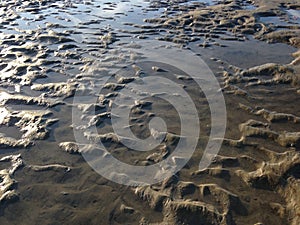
52,50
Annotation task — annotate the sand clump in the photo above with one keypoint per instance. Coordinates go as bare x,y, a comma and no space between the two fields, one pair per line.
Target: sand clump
56,89
183,203
70,147
8,192
211,23
33,125
279,174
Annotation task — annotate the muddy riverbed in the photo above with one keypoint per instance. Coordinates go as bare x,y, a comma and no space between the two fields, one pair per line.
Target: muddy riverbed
68,73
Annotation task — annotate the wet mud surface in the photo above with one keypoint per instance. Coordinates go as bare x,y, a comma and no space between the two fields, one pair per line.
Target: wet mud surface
51,51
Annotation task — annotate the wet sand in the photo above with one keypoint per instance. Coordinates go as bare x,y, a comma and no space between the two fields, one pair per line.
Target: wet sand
52,49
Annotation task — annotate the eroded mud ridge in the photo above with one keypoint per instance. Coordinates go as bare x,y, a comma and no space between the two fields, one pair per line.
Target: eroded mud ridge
51,52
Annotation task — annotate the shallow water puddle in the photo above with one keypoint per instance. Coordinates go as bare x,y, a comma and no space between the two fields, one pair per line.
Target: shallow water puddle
294,15
274,20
